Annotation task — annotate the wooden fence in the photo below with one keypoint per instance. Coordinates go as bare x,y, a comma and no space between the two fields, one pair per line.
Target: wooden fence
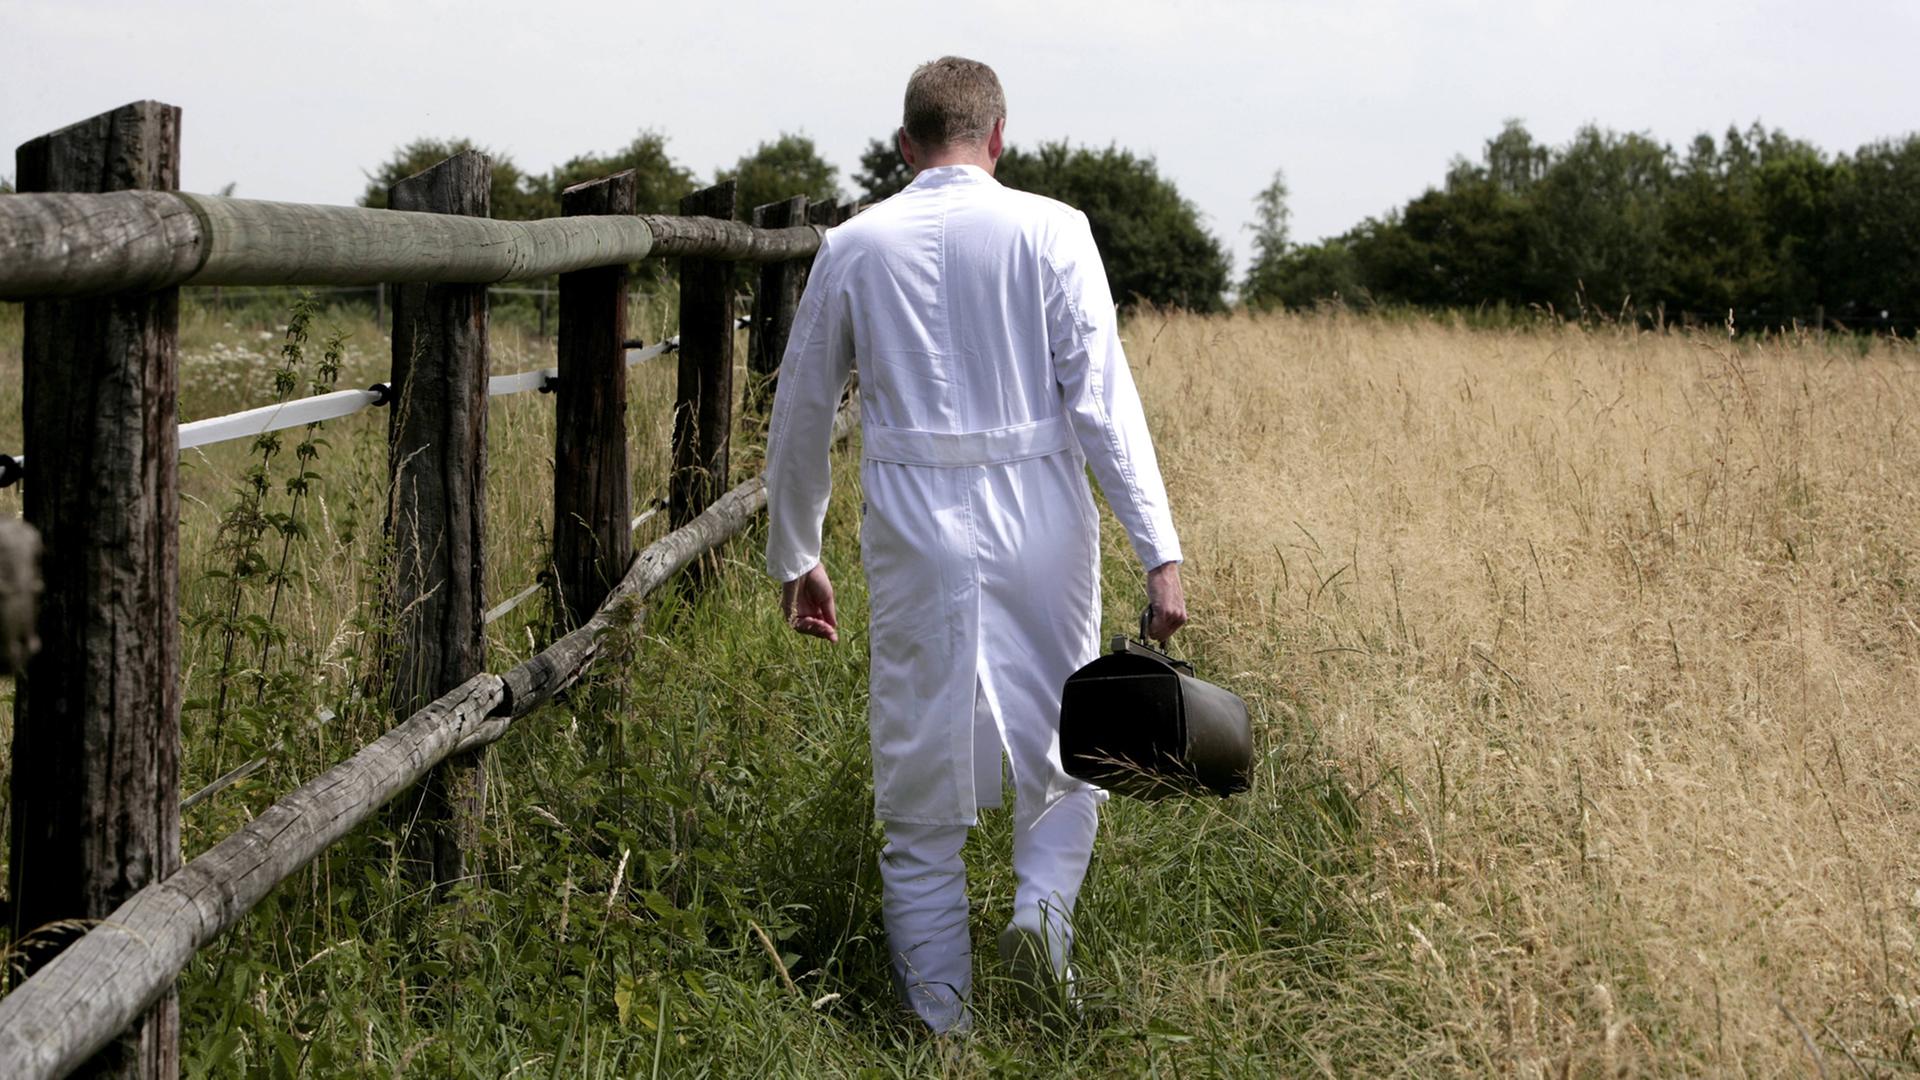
97,245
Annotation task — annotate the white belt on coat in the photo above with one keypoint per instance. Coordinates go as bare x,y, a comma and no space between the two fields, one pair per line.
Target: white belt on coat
960,449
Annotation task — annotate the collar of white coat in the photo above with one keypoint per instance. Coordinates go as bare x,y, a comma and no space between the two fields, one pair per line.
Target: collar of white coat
943,175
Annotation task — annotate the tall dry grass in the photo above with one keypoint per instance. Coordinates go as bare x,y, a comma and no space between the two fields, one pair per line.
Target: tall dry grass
1615,634
1607,637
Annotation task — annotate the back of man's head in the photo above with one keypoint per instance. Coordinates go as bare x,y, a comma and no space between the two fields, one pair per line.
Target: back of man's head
953,102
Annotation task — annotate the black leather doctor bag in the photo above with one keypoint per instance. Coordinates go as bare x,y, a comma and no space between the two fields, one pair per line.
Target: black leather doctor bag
1137,722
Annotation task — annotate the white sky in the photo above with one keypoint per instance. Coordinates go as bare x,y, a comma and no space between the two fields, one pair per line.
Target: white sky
1363,104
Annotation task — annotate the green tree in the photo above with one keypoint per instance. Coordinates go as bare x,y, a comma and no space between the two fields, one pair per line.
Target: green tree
1470,242
1149,234
883,171
1873,244
514,195
1271,243
1512,161
788,166
1714,235
659,182
1309,273
1755,221
1795,194
1599,215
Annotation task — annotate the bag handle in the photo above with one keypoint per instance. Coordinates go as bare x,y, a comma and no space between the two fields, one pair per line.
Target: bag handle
1160,650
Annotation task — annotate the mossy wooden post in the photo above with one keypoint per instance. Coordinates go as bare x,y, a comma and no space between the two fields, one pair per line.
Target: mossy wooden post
703,408
96,738
437,458
775,298
592,533
826,215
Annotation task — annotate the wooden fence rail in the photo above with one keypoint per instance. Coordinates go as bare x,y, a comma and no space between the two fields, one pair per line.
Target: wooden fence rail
141,241
98,254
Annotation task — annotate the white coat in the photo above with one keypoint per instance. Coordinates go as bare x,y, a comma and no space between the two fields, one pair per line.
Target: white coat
991,375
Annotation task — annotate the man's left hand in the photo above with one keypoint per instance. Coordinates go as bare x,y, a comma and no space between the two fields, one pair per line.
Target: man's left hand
1167,600
807,602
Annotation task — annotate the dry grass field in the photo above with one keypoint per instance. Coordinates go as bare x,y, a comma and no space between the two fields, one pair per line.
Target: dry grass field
1584,663
1614,635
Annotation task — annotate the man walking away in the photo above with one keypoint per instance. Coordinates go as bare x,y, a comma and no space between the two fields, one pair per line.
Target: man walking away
991,376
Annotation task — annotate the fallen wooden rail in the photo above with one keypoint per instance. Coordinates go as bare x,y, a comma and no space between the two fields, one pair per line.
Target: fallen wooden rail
88,244
81,999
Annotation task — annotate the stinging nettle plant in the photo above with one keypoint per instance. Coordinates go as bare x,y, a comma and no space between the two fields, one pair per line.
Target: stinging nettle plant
250,577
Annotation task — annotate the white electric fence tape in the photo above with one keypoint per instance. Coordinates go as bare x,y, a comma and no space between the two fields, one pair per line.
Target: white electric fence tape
520,383
658,505
510,603
521,597
501,385
288,414
245,425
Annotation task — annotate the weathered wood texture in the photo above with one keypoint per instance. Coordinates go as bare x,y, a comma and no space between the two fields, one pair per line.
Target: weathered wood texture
775,298
73,1006
711,238
79,245
437,455
96,740
592,538
824,216
703,407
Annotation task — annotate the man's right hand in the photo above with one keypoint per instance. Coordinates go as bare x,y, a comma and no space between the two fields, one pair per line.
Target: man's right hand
807,602
1168,600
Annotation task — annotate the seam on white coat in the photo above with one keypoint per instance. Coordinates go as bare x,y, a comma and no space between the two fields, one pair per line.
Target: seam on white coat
1096,391
953,369
784,405
979,643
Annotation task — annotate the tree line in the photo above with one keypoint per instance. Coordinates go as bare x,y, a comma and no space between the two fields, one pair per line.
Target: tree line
1151,236
1756,226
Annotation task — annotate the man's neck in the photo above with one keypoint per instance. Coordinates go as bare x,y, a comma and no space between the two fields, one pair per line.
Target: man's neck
976,156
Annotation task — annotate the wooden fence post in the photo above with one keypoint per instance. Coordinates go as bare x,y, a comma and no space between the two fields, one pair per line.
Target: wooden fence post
592,536
775,298
96,740
437,460
703,407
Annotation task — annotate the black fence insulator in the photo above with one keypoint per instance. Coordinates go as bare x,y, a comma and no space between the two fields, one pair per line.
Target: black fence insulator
549,384
634,343
10,470
382,393
670,345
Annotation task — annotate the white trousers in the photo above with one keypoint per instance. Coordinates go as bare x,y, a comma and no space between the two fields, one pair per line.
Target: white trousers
924,899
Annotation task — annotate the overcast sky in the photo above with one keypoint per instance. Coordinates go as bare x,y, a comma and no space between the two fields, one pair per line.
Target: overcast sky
1363,104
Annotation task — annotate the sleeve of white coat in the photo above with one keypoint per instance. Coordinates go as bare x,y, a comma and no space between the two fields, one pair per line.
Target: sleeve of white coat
813,372
1099,396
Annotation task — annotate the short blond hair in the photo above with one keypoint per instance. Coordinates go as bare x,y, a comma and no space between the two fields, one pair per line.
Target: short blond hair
953,101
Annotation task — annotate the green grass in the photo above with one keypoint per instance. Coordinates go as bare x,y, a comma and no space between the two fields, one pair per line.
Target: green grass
707,786
724,766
